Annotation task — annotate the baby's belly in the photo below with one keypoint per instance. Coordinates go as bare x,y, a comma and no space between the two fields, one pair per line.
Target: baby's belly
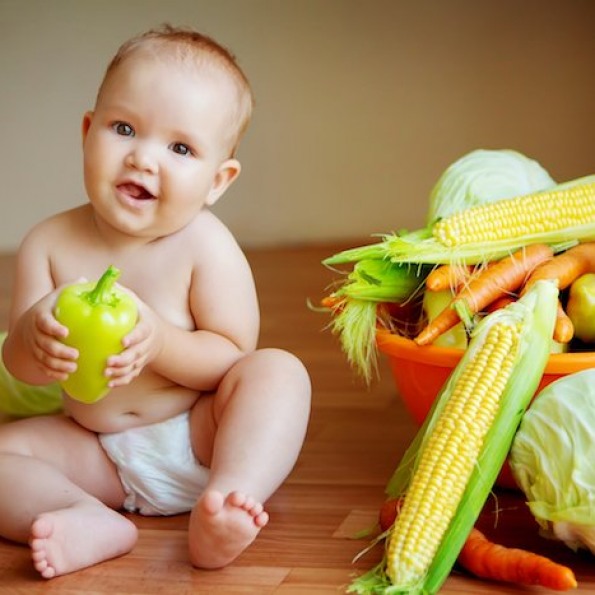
148,400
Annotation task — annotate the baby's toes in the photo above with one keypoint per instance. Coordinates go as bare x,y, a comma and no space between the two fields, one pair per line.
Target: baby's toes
212,502
41,564
255,508
249,504
261,519
237,499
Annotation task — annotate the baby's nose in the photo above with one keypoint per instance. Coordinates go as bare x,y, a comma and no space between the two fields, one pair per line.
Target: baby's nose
142,157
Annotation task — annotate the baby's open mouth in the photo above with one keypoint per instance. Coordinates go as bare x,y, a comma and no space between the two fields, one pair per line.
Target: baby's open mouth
135,191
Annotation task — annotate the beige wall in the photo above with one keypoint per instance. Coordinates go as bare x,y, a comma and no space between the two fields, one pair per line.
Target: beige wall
361,104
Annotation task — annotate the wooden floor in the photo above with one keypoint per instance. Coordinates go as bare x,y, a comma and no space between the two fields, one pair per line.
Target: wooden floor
355,440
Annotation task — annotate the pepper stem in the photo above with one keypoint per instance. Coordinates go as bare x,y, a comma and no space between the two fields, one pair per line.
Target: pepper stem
100,293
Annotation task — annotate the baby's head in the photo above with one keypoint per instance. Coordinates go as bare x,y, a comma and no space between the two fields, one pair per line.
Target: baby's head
160,143
186,48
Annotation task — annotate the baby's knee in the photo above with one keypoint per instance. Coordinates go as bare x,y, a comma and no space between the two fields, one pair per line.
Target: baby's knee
28,436
274,365
14,438
270,373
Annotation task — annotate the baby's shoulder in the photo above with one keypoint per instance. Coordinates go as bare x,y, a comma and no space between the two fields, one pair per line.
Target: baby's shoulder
58,227
207,229
210,246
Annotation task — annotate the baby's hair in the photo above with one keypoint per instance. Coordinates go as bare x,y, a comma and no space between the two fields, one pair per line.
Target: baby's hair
188,45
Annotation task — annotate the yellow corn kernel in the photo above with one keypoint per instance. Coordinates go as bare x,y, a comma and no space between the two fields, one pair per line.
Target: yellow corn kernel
537,213
449,457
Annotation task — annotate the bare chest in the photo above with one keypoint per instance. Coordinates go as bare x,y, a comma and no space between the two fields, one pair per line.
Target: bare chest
161,279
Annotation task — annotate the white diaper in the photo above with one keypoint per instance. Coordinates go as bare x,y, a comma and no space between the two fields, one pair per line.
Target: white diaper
157,467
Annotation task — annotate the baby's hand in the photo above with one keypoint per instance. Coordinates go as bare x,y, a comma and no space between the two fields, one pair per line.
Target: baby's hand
141,346
43,335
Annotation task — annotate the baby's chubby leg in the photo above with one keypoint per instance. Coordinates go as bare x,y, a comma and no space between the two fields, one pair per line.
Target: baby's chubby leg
249,434
57,491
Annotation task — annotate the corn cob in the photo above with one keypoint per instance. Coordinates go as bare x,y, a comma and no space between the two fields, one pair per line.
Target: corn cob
451,453
448,471
560,217
550,212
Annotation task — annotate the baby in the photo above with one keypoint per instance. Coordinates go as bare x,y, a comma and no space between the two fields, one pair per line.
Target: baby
198,419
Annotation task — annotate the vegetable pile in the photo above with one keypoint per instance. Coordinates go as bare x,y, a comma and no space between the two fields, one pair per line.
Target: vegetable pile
505,271
480,250
446,475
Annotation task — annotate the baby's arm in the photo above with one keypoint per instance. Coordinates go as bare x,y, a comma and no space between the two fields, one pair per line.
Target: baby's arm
223,303
33,351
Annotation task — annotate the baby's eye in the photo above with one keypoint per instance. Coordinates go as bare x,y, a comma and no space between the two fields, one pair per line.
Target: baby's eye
181,149
123,129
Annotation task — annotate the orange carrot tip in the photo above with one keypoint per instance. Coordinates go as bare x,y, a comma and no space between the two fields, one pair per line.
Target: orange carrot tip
448,276
330,301
564,328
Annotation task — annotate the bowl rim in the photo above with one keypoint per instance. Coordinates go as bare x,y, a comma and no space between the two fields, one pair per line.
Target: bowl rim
400,347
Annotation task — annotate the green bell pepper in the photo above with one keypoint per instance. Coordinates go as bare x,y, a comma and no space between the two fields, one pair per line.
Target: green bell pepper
98,316
581,307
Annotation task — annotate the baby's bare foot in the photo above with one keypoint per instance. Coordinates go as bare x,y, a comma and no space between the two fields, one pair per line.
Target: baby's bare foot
69,539
222,528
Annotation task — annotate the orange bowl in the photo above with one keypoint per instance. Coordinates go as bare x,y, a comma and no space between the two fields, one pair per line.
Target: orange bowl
420,372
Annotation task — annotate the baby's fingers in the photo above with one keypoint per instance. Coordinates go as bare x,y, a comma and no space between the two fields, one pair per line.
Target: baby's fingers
123,368
55,359
138,334
48,325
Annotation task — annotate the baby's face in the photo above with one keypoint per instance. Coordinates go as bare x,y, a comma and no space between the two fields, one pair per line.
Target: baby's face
156,149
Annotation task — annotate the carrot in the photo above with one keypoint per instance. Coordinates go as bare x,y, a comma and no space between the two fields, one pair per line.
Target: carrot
499,303
492,561
448,276
486,559
388,513
566,267
331,302
563,328
504,277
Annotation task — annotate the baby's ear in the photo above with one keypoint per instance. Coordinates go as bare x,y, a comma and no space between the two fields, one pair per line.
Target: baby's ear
86,124
228,171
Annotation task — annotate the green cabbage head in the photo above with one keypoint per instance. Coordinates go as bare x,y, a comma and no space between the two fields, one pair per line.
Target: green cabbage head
553,459
483,176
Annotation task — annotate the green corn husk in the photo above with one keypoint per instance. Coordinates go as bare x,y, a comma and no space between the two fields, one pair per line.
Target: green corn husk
377,251
370,283
535,313
382,281
355,326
